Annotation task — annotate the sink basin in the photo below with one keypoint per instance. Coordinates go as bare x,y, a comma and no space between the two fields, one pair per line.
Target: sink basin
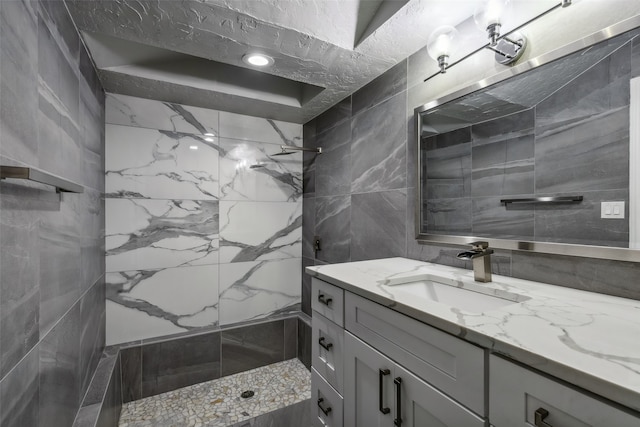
462,295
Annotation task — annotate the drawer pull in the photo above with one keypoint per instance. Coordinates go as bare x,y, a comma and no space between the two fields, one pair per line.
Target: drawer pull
540,416
324,300
381,374
324,410
326,346
398,421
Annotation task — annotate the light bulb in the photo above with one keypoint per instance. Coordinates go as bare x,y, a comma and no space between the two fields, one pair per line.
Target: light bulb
257,59
440,44
489,13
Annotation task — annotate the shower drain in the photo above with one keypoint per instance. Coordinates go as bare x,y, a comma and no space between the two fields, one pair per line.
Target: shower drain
247,394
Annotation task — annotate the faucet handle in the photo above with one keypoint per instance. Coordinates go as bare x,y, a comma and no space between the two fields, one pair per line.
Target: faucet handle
481,245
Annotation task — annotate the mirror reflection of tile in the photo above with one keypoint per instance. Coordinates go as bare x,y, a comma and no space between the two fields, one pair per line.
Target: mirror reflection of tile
560,129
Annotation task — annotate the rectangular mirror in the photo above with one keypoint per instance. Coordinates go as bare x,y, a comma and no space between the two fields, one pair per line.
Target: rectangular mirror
540,160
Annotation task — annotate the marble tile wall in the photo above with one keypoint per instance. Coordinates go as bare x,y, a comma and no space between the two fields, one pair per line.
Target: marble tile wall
203,223
52,270
358,219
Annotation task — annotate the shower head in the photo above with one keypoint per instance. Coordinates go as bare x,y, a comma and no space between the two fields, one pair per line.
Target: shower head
291,149
283,153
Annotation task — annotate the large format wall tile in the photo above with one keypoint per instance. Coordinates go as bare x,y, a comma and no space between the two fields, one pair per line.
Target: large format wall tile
254,290
333,225
447,169
503,156
151,303
19,276
147,234
490,218
250,171
252,346
179,363
238,126
59,373
333,166
448,216
381,165
92,332
581,222
147,163
146,113
59,146
60,259
388,84
251,231
19,393
18,81
380,228
590,153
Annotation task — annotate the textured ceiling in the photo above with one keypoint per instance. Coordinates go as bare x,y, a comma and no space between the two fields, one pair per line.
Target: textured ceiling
191,51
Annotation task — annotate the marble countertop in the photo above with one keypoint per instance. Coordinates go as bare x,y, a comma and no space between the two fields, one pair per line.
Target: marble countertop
587,339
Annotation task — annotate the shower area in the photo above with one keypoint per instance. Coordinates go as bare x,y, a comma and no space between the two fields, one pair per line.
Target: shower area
203,231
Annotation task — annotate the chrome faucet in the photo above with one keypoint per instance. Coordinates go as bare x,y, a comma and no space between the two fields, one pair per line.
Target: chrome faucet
480,254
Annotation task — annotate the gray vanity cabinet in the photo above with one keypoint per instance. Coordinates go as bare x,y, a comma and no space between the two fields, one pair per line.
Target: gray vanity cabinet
379,392
520,397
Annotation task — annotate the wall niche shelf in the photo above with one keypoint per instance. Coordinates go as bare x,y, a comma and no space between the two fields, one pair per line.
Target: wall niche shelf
31,174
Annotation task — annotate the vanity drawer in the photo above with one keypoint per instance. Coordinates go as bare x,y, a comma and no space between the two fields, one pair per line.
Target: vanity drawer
516,393
328,300
326,403
448,363
327,350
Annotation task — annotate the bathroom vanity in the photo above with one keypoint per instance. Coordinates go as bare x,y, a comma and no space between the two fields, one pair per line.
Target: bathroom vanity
407,343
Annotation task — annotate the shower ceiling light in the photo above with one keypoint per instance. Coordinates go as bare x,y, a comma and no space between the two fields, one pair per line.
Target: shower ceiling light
257,60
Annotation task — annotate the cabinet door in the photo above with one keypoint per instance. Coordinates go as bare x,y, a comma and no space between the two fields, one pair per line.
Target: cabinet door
422,405
517,394
368,385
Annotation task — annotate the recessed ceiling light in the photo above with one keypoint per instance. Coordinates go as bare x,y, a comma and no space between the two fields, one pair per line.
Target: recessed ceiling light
257,59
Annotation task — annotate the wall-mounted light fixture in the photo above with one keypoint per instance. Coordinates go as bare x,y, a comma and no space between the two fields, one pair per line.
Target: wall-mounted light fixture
508,48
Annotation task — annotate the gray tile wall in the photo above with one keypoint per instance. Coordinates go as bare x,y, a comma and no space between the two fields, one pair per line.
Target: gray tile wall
52,299
156,366
374,217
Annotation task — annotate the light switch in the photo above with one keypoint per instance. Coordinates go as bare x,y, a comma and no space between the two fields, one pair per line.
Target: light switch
612,210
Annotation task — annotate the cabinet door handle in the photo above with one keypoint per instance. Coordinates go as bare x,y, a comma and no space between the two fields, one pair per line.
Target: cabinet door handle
539,418
324,410
324,300
398,421
381,375
326,346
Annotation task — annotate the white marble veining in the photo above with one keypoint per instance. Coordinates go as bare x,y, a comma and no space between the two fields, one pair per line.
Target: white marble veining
250,171
159,164
238,126
585,338
146,113
144,234
253,290
251,231
149,303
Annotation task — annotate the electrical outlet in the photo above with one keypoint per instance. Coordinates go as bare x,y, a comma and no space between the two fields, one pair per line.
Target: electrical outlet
612,210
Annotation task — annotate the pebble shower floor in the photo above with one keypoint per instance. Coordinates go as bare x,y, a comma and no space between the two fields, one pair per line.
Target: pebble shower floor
218,402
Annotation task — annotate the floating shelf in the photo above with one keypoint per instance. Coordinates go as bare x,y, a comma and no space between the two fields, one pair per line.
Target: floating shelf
558,199
62,185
